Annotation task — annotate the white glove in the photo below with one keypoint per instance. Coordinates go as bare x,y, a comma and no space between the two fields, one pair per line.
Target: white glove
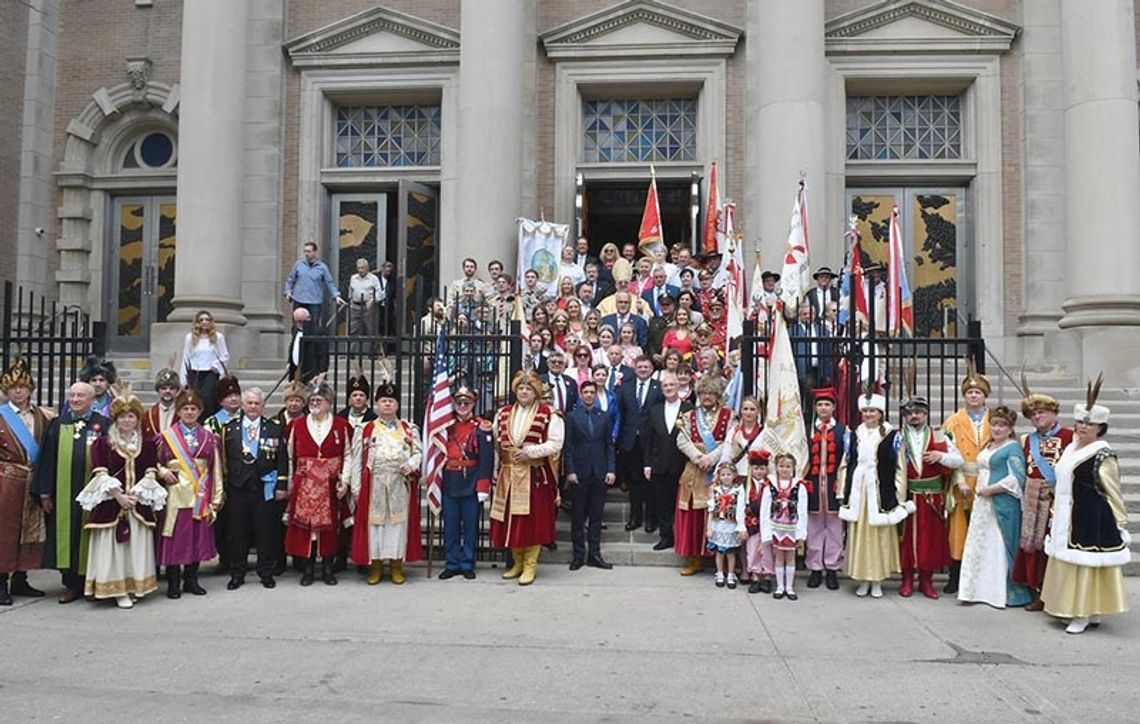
483,497
1125,537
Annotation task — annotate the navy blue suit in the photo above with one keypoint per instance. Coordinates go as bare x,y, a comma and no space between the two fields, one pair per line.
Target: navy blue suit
588,452
466,471
640,326
670,289
570,389
631,444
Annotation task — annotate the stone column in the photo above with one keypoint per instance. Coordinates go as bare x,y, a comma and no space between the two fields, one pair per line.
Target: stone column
1102,185
1044,177
492,59
211,137
785,125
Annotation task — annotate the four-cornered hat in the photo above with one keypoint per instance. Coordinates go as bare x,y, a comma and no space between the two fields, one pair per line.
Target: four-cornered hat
98,367
1091,413
17,375
821,394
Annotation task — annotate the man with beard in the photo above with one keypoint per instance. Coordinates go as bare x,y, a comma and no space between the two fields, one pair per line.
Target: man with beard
703,431
160,416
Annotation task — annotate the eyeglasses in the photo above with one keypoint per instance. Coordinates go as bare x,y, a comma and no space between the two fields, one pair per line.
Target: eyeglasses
582,355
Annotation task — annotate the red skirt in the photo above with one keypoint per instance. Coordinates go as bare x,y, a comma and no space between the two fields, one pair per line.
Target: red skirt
689,533
925,542
1029,568
298,541
534,529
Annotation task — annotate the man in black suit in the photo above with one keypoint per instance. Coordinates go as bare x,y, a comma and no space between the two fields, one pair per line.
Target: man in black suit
563,389
623,315
813,357
387,298
599,289
663,461
635,398
255,475
823,292
309,357
588,455
617,372
582,255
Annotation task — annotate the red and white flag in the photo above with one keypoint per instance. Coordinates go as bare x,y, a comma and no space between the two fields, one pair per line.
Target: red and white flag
649,236
795,279
437,417
714,215
784,427
900,313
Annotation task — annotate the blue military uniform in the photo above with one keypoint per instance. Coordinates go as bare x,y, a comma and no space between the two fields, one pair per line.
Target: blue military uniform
466,474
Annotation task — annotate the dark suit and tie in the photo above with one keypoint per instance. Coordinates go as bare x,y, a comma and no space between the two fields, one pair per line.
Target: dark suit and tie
256,469
635,398
310,357
588,457
640,327
653,296
664,461
563,390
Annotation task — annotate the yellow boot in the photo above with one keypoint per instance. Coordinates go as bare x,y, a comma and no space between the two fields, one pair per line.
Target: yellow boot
693,566
397,571
516,570
375,572
530,568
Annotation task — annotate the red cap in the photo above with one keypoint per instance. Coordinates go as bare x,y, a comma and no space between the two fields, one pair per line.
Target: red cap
825,393
758,457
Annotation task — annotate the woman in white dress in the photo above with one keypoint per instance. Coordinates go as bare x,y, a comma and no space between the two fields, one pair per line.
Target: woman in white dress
995,523
204,358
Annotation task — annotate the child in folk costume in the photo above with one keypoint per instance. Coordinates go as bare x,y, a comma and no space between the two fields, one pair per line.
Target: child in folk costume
758,550
783,521
725,526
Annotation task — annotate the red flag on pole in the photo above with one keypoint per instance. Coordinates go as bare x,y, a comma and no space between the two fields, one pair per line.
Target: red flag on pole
649,235
713,213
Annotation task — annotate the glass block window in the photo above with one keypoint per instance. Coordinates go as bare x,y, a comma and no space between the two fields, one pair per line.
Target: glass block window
372,136
639,130
894,127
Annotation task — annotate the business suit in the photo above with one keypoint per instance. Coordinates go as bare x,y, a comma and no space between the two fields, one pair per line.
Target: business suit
588,453
617,376
631,446
665,462
818,298
602,289
568,399
653,297
312,358
255,469
639,326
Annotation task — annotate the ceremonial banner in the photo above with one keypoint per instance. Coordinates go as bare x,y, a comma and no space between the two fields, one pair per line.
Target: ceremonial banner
901,310
784,429
649,236
713,214
540,249
795,280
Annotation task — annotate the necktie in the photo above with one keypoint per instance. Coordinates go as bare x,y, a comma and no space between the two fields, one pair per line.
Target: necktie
613,378
590,422
558,391
640,394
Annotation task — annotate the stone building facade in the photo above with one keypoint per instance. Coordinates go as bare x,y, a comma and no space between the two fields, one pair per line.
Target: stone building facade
160,156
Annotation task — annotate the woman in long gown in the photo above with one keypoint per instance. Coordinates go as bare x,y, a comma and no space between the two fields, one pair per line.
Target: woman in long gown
995,523
123,497
872,500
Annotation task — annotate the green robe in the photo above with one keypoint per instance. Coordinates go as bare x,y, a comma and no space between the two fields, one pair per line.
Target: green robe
64,469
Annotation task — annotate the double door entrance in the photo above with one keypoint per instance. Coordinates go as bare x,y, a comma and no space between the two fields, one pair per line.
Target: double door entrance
140,273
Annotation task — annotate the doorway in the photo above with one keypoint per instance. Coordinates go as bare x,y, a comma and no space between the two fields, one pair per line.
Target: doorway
613,211
141,269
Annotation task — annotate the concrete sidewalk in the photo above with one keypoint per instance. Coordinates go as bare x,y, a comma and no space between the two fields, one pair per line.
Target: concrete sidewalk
631,644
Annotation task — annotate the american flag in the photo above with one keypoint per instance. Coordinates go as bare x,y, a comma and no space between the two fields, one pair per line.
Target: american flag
438,415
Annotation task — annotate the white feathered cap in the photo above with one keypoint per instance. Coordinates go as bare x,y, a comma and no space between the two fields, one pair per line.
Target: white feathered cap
873,402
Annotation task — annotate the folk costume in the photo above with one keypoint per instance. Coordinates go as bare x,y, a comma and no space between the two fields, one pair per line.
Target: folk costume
121,560
737,445
159,418
784,523
757,549
523,504
320,458
703,433
1088,540
295,390
925,545
255,471
216,423
466,482
21,519
1042,453
970,432
874,502
192,454
995,527
386,524
827,447
357,418
726,516
64,468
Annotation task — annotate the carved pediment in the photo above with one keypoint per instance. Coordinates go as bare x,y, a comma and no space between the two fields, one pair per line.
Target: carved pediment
641,28
919,26
378,36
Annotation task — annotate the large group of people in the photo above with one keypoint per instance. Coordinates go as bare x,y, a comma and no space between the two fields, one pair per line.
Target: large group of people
623,383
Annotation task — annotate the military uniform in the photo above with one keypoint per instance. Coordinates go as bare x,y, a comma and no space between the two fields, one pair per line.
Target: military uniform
466,482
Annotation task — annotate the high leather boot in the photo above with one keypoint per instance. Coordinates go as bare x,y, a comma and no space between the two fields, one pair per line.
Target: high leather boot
692,566
955,571
375,572
396,569
906,590
174,581
530,565
190,580
308,572
926,584
327,574
516,570
5,596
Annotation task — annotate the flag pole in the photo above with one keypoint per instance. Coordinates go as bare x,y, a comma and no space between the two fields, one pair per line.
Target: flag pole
431,539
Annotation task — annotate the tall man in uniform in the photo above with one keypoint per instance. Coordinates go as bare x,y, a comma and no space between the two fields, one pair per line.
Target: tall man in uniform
63,471
22,427
228,395
466,483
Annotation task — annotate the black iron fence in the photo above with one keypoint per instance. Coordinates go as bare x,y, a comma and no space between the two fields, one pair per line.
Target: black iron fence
53,339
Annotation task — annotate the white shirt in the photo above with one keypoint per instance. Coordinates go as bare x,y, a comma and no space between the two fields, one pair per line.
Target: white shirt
203,357
365,288
571,270
672,412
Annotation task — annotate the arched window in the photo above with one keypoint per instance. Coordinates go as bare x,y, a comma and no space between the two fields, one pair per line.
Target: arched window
153,150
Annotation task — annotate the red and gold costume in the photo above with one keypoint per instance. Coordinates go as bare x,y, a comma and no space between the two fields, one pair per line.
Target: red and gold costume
1037,502
318,455
522,507
703,432
925,543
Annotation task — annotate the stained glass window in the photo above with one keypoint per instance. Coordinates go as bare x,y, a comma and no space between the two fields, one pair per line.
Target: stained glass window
897,127
639,130
380,136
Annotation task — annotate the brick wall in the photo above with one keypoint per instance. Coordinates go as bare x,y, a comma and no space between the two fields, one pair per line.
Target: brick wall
13,52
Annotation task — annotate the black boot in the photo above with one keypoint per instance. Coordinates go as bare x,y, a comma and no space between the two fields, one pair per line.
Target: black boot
327,574
174,582
5,596
307,572
952,585
21,587
190,581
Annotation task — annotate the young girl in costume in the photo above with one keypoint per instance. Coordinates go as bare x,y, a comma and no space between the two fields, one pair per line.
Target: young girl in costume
783,521
725,523
758,551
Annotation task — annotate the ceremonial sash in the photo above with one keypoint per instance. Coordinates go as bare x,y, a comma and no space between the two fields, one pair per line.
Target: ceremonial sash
201,488
21,432
707,438
1039,460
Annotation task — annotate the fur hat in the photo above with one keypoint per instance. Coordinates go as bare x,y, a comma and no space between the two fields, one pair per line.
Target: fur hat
294,388
873,402
975,380
96,367
387,388
319,388
915,403
18,374
227,386
126,401
188,397
1034,401
711,383
1001,412
523,377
